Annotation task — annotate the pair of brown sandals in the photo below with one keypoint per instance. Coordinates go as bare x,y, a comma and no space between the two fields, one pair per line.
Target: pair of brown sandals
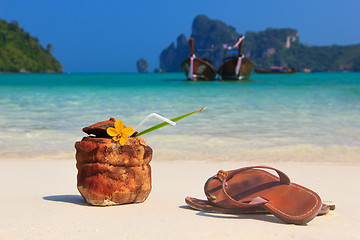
253,190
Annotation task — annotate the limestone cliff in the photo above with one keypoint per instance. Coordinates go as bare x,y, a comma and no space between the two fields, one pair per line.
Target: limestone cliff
172,57
209,36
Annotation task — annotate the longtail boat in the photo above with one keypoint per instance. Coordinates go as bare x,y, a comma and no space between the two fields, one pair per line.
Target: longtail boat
196,68
275,70
237,67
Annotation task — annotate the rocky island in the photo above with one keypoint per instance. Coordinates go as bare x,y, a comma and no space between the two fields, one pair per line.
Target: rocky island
271,47
142,65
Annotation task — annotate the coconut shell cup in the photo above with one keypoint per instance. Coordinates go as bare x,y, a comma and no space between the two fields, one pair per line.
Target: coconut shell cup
111,174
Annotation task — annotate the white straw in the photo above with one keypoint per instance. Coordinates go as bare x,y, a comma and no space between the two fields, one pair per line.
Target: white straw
157,116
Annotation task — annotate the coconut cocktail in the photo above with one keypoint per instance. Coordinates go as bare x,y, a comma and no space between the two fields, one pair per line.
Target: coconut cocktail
113,162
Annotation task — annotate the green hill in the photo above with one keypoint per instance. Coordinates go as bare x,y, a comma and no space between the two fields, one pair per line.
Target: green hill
281,47
19,52
272,47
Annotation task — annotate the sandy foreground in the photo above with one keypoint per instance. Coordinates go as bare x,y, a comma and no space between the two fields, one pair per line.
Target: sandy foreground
39,200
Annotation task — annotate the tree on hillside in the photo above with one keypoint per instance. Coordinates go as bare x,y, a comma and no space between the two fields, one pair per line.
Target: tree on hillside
49,48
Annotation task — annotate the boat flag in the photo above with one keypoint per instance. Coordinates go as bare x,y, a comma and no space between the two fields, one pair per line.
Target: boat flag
238,43
238,65
191,70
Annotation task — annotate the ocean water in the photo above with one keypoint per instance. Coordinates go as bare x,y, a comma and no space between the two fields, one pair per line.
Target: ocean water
41,115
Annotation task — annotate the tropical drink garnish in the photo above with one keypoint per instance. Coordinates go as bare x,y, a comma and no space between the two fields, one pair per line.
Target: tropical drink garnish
120,134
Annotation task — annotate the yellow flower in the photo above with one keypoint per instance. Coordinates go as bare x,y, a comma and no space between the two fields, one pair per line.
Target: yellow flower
119,133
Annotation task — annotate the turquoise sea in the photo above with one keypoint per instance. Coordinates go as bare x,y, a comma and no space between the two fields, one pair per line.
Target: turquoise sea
41,115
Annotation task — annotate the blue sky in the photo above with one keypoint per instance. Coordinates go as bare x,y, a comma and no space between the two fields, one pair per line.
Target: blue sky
110,36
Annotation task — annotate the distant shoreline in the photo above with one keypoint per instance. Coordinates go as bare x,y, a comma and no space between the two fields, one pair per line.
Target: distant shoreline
149,72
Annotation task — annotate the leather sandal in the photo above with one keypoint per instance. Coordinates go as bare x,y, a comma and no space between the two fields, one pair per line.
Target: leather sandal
206,206
251,190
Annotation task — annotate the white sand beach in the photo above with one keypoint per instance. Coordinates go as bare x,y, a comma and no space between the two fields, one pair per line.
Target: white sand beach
39,200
